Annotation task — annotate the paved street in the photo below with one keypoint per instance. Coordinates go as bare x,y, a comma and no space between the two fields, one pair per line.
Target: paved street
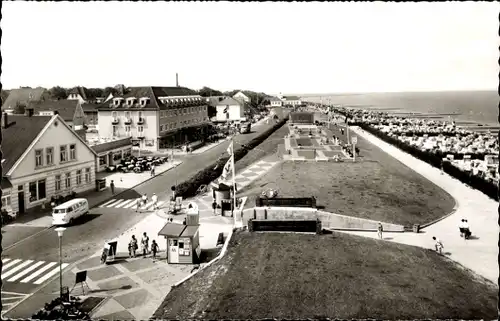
88,234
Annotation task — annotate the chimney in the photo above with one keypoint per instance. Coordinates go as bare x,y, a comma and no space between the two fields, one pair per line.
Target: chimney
176,79
5,120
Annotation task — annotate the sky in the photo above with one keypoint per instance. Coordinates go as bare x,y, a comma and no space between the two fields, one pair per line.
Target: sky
267,47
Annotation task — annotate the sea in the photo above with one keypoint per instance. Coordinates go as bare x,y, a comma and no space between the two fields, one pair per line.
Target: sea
476,110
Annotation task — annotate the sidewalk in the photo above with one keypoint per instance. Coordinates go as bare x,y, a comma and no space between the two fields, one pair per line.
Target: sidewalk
123,182
168,151
131,179
135,287
480,253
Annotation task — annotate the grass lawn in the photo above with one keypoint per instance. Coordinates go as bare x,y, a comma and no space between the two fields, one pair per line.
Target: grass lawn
343,276
376,186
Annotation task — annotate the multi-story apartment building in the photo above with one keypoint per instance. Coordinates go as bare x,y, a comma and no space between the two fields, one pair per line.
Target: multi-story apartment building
154,117
42,157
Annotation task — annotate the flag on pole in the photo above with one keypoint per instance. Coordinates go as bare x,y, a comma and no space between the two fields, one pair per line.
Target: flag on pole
227,168
230,148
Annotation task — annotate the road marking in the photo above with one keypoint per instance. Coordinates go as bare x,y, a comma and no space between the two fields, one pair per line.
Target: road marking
146,206
124,203
37,273
31,268
5,267
12,298
51,273
114,203
5,260
108,202
17,268
131,204
15,293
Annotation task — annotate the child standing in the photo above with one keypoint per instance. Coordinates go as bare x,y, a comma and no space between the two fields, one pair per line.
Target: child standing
154,249
439,245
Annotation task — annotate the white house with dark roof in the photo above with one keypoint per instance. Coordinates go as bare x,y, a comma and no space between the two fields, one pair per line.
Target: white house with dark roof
275,102
229,109
241,97
42,157
291,101
154,117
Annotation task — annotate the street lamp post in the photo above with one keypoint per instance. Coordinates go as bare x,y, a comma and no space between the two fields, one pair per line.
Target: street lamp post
60,231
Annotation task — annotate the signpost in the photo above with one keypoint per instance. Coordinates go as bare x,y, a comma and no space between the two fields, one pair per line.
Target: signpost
354,140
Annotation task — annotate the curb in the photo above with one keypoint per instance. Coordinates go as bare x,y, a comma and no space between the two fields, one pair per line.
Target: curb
128,189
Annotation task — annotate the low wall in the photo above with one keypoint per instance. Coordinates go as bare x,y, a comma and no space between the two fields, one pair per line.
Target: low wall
328,220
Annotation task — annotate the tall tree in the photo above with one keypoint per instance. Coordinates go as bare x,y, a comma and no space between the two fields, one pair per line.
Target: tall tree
109,90
58,93
95,92
5,94
207,92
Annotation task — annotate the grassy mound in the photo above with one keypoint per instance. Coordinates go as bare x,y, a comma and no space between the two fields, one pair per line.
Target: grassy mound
338,276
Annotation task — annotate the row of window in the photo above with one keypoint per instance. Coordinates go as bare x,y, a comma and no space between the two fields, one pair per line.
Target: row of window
183,111
38,190
182,123
49,155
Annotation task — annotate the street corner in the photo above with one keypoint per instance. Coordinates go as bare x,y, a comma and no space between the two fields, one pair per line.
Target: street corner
10,299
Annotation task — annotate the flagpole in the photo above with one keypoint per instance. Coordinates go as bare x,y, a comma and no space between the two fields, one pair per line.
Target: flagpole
233,170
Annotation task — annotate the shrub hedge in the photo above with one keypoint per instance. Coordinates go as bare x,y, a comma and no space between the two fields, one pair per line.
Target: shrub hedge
436,159
213,171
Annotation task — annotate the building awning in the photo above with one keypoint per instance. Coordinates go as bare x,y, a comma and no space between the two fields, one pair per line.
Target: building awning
190,231
172,230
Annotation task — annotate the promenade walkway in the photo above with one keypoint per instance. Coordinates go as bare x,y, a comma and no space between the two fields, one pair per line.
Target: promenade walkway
480,253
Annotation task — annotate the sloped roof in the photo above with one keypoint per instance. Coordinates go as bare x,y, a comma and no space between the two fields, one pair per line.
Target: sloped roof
90,107
292,97
273,99
22,95
18,136
214,100
152,93
64,107
229,101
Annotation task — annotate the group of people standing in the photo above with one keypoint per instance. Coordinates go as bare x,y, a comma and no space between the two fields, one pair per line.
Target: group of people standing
133,246
143,200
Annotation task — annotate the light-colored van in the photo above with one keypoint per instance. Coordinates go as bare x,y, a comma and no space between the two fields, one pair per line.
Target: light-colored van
67,212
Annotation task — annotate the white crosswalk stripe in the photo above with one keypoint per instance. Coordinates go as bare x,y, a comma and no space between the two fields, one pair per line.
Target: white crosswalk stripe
14,270
51,273
24,272
123,204
146,206
108,202
131,204
114,203
35,272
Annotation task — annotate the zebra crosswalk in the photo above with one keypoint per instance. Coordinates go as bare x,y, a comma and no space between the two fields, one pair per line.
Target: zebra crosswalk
130,204
29,271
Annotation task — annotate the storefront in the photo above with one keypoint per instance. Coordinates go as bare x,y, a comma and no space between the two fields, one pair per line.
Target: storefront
183,136
111,152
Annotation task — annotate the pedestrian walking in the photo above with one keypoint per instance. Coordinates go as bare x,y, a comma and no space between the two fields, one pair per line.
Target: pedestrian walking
154,248
130,247
144,199
154,198
438,245
380,229
145,244
112,186
139,204
153,170
134,246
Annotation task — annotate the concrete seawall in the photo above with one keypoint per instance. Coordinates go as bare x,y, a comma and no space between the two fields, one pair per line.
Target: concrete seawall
329,220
